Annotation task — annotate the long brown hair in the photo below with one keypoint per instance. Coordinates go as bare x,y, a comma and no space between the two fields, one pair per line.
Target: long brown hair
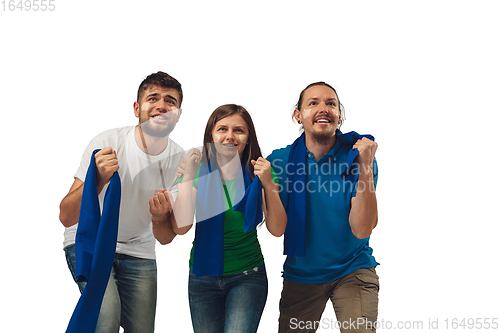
252,149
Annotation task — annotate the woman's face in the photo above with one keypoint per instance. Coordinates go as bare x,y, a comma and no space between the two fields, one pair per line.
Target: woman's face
230,136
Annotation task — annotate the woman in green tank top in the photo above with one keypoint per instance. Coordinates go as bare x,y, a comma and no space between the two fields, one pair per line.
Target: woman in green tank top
227,280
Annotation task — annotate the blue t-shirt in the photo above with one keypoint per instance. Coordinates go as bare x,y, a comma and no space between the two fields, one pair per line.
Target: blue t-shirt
332,250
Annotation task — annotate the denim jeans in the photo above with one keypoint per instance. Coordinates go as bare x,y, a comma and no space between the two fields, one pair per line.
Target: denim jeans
229,303
130,297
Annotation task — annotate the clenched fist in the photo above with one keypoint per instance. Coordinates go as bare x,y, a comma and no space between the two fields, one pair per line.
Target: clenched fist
107,164
367,149
191,162
160,204
262,169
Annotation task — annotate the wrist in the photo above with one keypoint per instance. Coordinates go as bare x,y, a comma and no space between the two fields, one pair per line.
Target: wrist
101,183
365,175
269,187
365,183
189,176
158,219
365,168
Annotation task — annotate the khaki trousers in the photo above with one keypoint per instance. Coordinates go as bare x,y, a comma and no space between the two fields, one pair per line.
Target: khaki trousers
354,298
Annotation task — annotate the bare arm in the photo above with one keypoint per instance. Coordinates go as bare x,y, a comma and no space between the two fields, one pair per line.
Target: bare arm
107,165
184,207
186,198
363,217
274,212
69,209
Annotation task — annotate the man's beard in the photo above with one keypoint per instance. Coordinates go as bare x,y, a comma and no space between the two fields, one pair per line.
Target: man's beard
322,138
157,131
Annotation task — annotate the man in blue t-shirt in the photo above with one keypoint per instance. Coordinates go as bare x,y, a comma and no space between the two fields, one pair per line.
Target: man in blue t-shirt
330,218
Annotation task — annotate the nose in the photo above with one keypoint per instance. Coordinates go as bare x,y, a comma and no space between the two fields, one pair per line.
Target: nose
161,105
230,135
322,107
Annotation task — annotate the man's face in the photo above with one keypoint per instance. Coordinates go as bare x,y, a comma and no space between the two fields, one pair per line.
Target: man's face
158,111
319,113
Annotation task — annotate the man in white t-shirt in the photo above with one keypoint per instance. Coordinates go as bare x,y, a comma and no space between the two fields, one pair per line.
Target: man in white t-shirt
146,160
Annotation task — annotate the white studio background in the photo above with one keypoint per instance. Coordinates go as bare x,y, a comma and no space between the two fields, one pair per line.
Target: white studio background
421,76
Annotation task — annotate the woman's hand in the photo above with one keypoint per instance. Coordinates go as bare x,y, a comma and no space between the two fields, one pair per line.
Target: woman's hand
191,162
262,169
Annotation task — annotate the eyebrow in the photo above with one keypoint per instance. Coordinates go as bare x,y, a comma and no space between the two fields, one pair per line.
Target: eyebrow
157,94
172,97
236,127
316,98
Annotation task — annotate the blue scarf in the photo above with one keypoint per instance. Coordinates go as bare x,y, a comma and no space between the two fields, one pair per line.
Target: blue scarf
296,208
350,173
95,247
208,254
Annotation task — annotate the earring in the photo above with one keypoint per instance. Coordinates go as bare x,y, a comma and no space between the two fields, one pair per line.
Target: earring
299,122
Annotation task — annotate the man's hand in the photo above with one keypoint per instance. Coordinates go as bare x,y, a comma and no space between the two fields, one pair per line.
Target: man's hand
160,204
107,164
160,207
262,169
367,149
364,214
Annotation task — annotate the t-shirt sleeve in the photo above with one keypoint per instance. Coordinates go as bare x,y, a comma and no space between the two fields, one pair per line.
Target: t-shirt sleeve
273,174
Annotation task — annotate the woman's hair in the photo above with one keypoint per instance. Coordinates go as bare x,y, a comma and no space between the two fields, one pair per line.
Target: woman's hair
321,83
252,149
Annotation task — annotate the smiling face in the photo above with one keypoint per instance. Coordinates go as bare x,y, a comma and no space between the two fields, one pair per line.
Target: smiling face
319,113
230,136
158,111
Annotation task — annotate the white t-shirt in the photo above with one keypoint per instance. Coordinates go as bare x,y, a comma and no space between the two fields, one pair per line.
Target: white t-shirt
140,180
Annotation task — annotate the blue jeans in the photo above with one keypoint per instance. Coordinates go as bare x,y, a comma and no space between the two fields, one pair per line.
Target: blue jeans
130,298
229,303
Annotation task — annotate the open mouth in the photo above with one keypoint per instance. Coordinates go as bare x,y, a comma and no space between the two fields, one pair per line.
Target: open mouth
160,116
323,120
229,145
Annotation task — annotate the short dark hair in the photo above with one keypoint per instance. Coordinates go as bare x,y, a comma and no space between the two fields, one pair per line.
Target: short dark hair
159,79
321,83
252,150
